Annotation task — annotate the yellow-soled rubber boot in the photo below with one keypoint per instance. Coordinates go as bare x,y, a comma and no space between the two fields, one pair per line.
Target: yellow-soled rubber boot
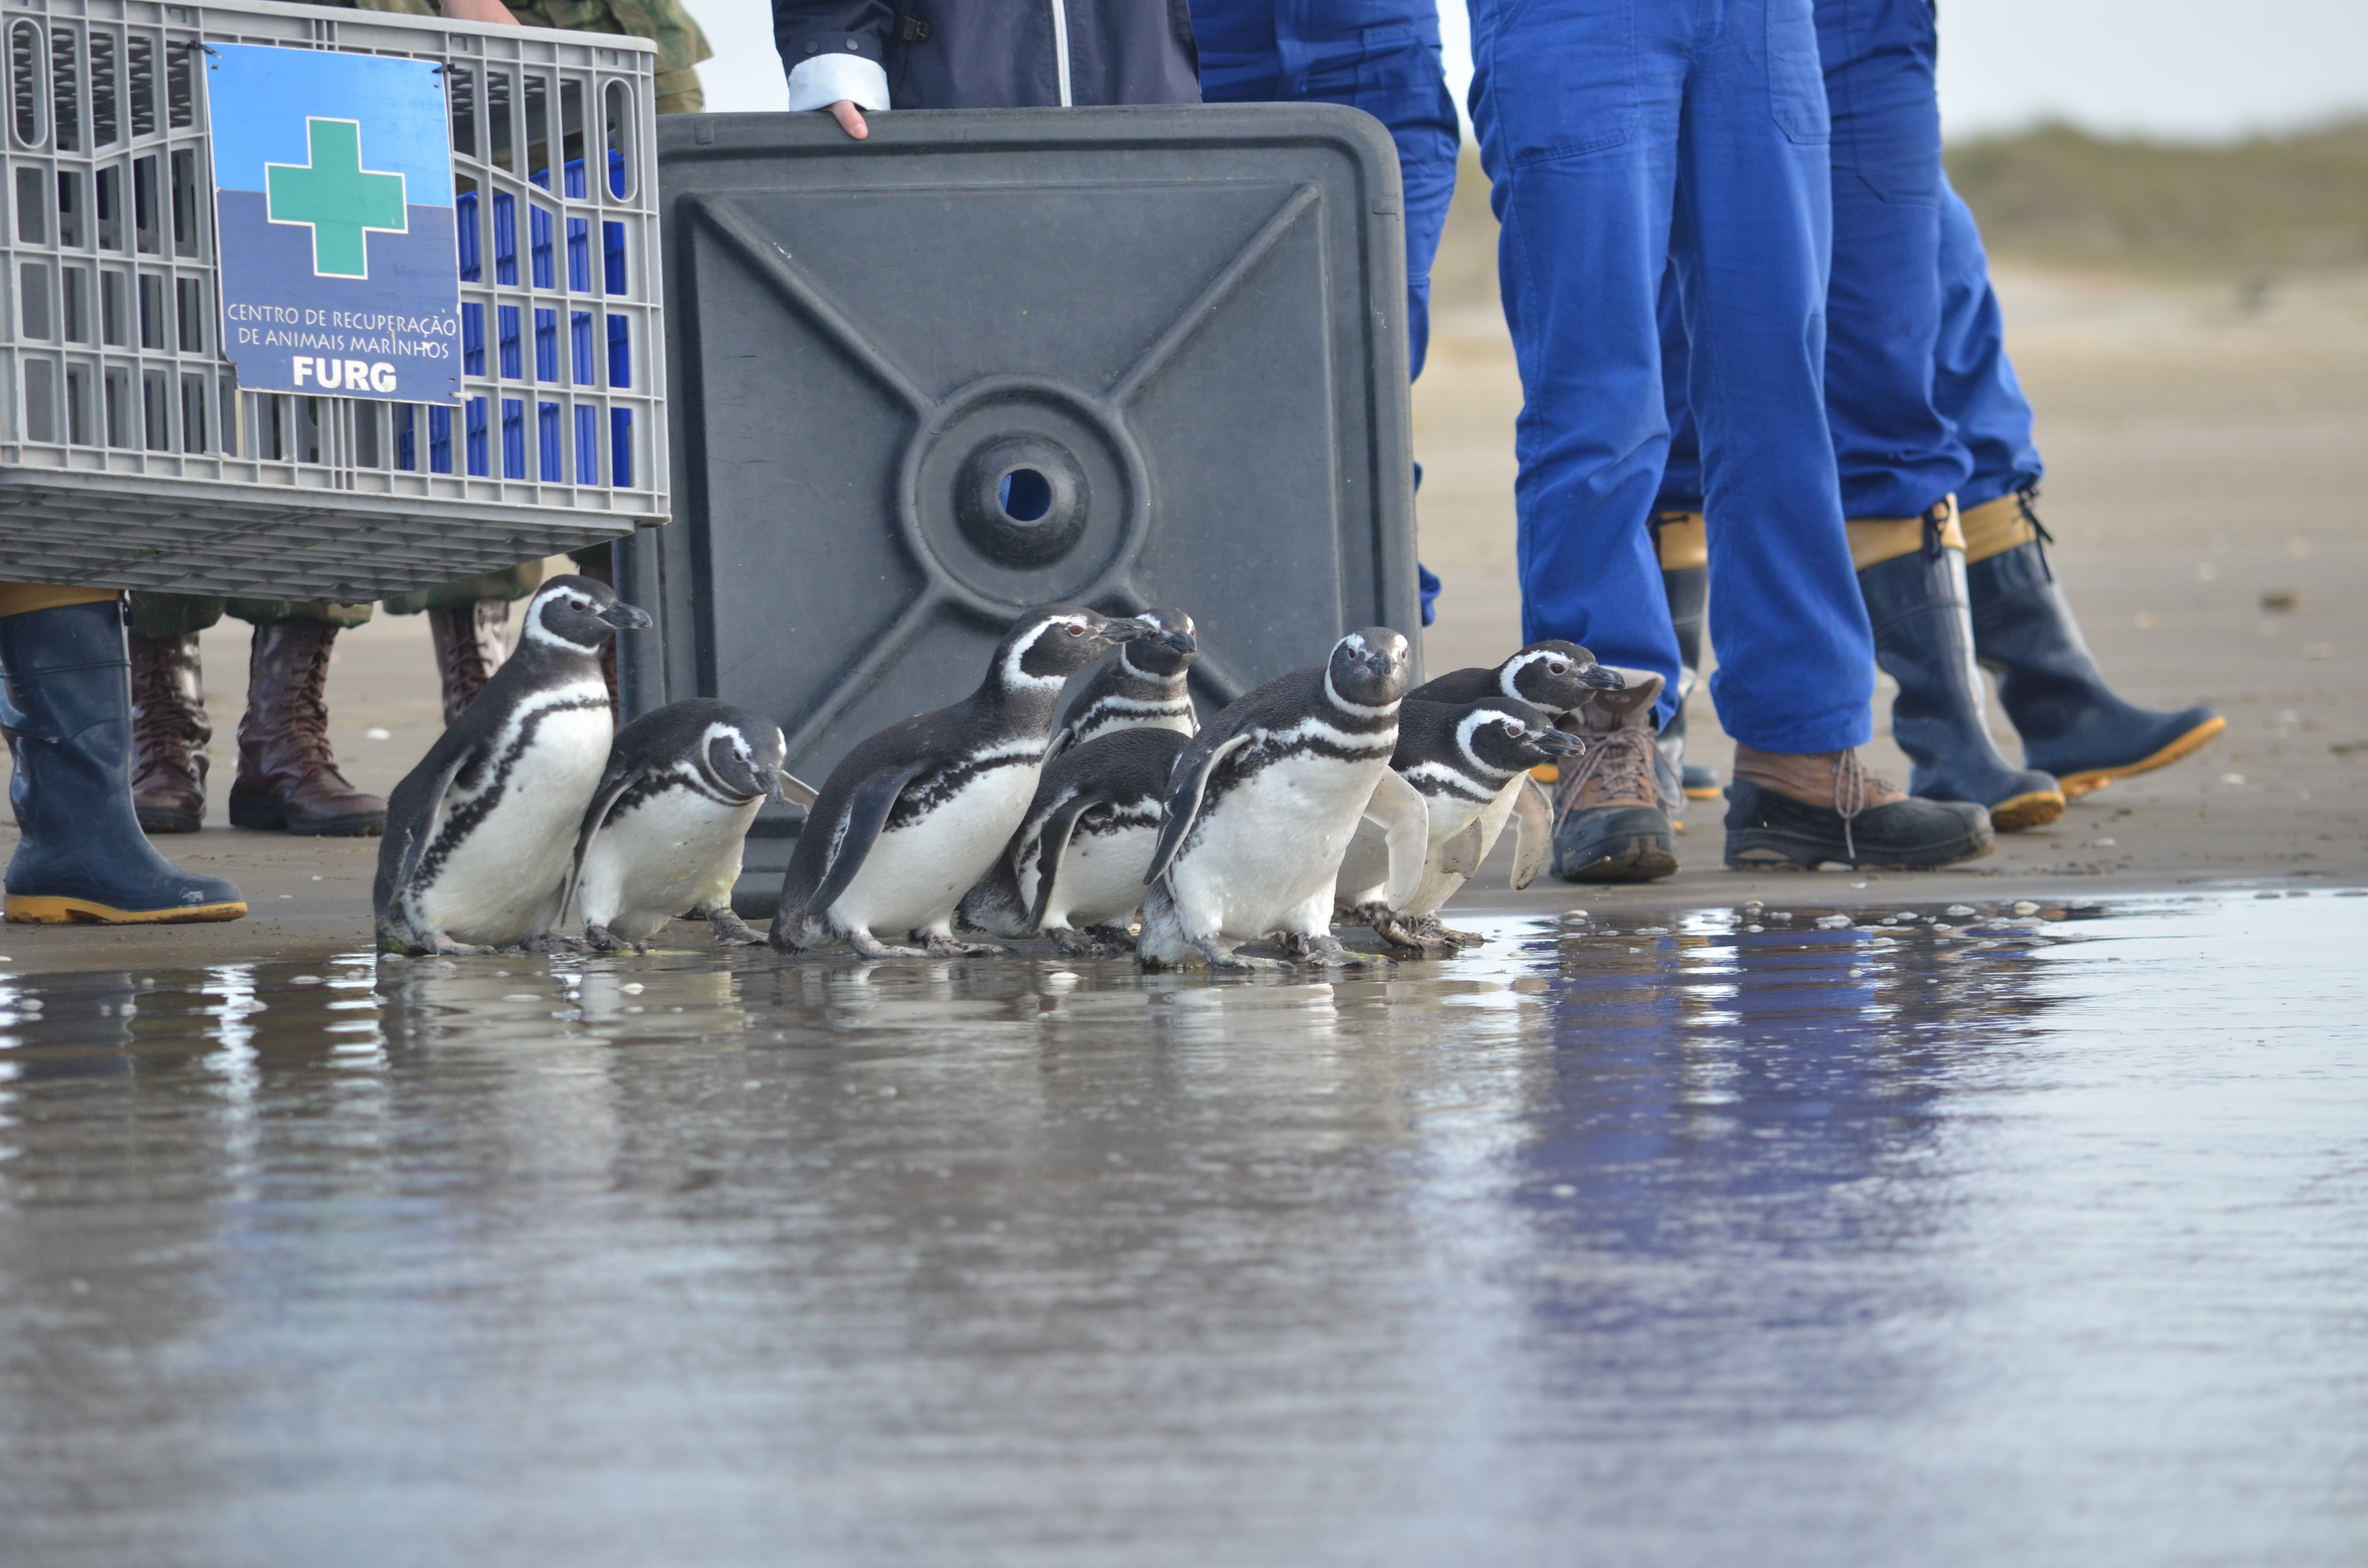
67,715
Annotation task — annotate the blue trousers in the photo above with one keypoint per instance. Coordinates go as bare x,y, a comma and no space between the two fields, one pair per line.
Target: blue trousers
1625,137
1381,56
1922,399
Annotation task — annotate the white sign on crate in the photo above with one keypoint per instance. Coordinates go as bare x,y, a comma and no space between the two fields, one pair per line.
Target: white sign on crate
334,195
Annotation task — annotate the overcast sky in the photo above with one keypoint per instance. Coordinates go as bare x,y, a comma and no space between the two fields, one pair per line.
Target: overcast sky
2198,69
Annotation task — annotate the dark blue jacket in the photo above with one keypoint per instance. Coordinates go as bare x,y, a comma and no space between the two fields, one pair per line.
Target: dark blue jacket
1004,53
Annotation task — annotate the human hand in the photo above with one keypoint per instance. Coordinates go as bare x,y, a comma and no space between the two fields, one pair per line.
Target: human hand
849,117
491,11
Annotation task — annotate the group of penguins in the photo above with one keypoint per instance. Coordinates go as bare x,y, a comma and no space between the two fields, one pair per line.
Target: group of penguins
1330,792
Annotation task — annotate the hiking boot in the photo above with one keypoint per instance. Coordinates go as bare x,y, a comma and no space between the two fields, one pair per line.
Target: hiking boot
288,777
1804,811
2071,722
68,720
471,643
169,733
1611,820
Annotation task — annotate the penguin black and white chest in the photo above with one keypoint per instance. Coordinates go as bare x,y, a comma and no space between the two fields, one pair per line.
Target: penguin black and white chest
1142,686
481,836
1264,802
1075,871
914,816
664,834
1463,758
1554,677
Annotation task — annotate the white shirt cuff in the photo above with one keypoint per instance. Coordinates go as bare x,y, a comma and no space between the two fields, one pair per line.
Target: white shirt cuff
826,79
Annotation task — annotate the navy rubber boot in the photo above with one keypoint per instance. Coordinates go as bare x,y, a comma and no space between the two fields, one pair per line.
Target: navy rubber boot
2071,721
1924,639
67,715
1689,592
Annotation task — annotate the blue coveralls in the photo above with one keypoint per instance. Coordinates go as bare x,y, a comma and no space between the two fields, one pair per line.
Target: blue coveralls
1622,136
1381,56
1921,397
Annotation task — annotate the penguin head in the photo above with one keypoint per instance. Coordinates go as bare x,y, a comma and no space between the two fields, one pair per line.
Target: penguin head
576,615
1046,646
745,756
1167,651
1368,670
1555,676
1504,738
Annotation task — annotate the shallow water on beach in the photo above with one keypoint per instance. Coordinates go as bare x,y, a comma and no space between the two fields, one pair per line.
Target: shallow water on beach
1998,1239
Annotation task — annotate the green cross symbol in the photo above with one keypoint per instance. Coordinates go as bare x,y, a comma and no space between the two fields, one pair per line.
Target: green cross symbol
338,198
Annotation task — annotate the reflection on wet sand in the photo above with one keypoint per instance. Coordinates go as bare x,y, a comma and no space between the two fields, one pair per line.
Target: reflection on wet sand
1701,1237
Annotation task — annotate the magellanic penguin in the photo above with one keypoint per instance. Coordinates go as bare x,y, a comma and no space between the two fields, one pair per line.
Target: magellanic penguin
1554,677
1264,802
481,836
1075,871
914,817
1142,686
664,833
1470,762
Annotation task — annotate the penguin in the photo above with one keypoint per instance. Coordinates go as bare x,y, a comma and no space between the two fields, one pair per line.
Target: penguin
1141,685
1264,802
665,830
1554,676
481,836
1073,872
1471,762
914,816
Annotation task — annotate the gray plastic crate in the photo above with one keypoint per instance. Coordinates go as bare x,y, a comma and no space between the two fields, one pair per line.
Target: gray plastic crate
129,456
1177,334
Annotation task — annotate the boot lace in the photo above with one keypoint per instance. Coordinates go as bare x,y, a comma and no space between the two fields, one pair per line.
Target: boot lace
161,722
1853,782
1622,761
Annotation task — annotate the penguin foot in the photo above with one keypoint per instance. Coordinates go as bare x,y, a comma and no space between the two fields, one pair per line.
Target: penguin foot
436,944
551,942
1429,927
1321,951
601,940
1224,962
867,945
945,945
731,931
1416,933
1093,942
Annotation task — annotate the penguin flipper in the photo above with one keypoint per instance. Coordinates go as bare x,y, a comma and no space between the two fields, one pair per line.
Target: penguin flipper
1532,832
868,806
409,864
1052,843
619,779
1404,817
1187,786
1461,855
796,791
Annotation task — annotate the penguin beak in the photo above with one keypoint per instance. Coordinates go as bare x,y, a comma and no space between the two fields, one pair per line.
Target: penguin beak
1129,629
1558,743
1603,678
1183,643
625,617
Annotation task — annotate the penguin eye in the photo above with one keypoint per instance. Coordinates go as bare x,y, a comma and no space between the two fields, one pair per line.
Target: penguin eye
1558,668
1076,630
1515,728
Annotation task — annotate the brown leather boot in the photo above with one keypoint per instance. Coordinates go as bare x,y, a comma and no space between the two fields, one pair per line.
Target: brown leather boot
1808,808
1612,819
471,643
169,733
288,778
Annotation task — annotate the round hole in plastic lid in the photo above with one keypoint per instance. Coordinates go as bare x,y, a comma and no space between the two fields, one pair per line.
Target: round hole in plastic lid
1026,495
